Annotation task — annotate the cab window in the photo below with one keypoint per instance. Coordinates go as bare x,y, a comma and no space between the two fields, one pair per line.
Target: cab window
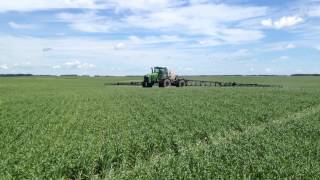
156,70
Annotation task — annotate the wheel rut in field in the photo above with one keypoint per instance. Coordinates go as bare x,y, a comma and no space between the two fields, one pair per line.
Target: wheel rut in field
250,130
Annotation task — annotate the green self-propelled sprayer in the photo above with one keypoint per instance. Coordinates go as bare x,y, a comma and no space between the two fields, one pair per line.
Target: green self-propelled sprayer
165,78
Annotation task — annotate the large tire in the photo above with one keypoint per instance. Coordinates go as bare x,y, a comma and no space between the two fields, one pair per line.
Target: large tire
181,83
165,83
161,84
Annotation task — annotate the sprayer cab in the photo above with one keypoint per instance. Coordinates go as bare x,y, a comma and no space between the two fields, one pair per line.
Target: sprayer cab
162,72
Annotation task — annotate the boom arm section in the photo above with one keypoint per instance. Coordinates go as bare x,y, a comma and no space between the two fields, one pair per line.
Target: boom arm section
202,83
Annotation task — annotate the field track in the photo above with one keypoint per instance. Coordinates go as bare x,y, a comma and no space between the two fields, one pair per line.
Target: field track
298,116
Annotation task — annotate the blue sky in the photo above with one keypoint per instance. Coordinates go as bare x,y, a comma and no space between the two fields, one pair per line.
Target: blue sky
127,37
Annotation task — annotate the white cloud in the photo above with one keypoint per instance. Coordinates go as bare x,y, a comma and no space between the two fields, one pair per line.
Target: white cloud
87,22
284,57
47,49
72,63
86,66
76,64
209,42
22,64
144,5
291,46
318,48
216,21
286,21
90,27
189,16
119,46
314,11
155,39
268,70
31,5
232,36
241,54
188,69
56,67
267,22
279,47
133,5
236,36
213,21
79,65
15,25
4,66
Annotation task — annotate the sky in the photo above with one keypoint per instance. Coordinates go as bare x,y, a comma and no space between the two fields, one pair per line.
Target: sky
191,37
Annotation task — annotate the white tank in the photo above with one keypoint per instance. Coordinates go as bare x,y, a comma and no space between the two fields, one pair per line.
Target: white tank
172,74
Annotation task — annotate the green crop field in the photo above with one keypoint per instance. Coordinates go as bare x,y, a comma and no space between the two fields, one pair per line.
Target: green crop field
78,128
